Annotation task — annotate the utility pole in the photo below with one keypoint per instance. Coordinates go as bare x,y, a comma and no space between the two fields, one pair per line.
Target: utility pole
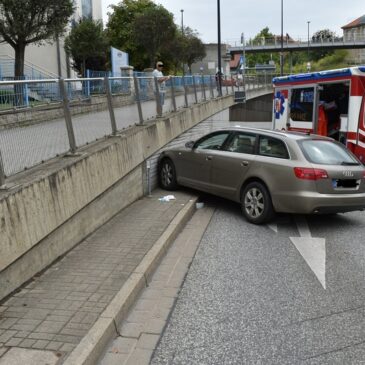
182,32
282,42
308,40
219,49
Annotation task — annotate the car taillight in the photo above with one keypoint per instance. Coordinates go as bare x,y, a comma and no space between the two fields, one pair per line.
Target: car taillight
310,174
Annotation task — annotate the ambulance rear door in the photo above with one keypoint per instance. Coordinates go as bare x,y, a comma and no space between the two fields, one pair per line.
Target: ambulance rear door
303,107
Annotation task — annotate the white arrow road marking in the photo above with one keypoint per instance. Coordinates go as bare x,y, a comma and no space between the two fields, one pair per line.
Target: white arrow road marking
312,249
273,226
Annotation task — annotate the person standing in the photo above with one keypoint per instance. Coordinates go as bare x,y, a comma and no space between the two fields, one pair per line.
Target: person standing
161,80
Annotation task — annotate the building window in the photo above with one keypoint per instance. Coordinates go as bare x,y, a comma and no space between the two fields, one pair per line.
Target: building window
87,8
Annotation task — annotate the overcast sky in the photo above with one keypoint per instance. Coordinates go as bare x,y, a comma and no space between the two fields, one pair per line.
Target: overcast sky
251,16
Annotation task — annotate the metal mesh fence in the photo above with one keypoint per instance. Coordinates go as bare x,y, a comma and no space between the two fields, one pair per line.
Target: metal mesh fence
31,142
41,119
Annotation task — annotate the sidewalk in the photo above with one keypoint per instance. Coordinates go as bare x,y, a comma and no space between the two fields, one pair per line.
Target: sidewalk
68,313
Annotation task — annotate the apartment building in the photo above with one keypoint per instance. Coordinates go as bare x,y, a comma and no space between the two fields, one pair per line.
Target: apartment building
48,60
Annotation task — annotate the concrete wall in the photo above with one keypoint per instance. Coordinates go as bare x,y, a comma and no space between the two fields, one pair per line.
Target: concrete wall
259,109
54,206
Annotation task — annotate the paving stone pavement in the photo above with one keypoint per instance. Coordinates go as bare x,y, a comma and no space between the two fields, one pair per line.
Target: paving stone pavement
140,332
56,309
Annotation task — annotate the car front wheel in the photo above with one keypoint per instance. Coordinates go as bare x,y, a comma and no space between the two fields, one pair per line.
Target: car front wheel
256,203
167,175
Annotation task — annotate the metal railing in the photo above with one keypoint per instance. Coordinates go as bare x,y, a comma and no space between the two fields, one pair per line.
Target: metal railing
348,38
80,111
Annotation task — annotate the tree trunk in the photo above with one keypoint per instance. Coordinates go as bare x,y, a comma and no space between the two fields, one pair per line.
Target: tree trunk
19,89
19,61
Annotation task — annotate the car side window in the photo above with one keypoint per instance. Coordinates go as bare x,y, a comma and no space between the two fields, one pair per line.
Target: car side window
272,147
242,143
214,142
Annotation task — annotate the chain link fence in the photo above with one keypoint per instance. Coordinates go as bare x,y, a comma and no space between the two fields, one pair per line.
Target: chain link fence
42,119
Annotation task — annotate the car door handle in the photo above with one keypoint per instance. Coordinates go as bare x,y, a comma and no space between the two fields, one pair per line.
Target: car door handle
244,163
208,158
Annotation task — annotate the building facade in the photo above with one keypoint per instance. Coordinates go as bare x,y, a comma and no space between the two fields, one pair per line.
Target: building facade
209,64
355,30
48,59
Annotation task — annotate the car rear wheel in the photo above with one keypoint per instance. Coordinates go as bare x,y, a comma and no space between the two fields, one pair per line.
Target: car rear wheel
256,203
167,175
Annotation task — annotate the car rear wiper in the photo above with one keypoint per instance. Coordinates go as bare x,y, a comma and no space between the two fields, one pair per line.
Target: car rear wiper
344,163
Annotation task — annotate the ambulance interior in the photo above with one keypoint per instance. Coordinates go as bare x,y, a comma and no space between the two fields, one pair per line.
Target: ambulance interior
333,110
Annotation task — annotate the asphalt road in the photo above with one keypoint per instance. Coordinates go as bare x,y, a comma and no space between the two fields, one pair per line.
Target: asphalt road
252,296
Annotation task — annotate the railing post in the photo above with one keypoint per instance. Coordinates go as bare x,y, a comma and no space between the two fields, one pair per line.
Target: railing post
26,94
88,86
138,99
158,98
211,87
110,105
2,172
232,84
172,80
203,87
185,91
67,115
225,78
195,92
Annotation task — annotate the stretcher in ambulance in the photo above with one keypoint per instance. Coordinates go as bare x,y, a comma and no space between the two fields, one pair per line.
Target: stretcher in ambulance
329,103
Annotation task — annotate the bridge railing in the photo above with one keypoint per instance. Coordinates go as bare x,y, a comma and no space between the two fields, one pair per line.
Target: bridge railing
349,39
42,119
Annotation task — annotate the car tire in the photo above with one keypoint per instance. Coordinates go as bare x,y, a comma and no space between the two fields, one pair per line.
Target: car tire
256,203
167,175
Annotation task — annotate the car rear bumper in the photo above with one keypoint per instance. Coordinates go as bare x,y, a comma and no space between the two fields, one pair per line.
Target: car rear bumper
315,203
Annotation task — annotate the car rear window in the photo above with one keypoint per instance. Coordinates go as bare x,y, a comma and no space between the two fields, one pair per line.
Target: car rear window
327,153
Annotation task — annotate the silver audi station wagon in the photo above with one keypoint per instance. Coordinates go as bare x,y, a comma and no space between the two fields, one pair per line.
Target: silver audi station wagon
268,171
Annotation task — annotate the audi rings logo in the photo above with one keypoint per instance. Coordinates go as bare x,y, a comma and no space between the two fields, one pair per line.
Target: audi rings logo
348,173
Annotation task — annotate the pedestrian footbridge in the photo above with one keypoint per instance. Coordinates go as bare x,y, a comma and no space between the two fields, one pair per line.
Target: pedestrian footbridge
67,168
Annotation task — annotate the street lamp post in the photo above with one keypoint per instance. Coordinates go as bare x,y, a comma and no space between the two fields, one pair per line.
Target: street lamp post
182,32
219,78
308,22
308,60
282,42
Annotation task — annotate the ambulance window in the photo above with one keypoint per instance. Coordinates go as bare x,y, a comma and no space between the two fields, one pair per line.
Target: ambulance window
301,105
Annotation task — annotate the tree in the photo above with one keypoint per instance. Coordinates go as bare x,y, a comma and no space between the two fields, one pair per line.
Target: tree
153,30
23,22
262,58
120,29
324,35
87,44
192,49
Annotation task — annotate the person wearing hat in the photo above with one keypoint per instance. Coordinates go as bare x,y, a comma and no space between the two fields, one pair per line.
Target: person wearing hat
161,79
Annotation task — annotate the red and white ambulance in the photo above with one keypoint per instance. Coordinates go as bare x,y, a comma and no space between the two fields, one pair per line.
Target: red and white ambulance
330,103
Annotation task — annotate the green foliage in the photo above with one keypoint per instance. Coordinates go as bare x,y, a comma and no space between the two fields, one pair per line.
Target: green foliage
153,31
330,62
147,32
88,46
189,47
319,59
261,58
120,29
6,96
23,22
324,35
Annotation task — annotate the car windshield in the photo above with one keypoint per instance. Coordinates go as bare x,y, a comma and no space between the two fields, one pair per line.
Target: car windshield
327,153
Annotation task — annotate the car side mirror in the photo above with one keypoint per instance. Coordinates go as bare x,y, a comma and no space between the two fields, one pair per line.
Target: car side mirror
189,144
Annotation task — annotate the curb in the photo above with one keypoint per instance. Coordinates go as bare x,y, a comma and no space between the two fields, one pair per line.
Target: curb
88,351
